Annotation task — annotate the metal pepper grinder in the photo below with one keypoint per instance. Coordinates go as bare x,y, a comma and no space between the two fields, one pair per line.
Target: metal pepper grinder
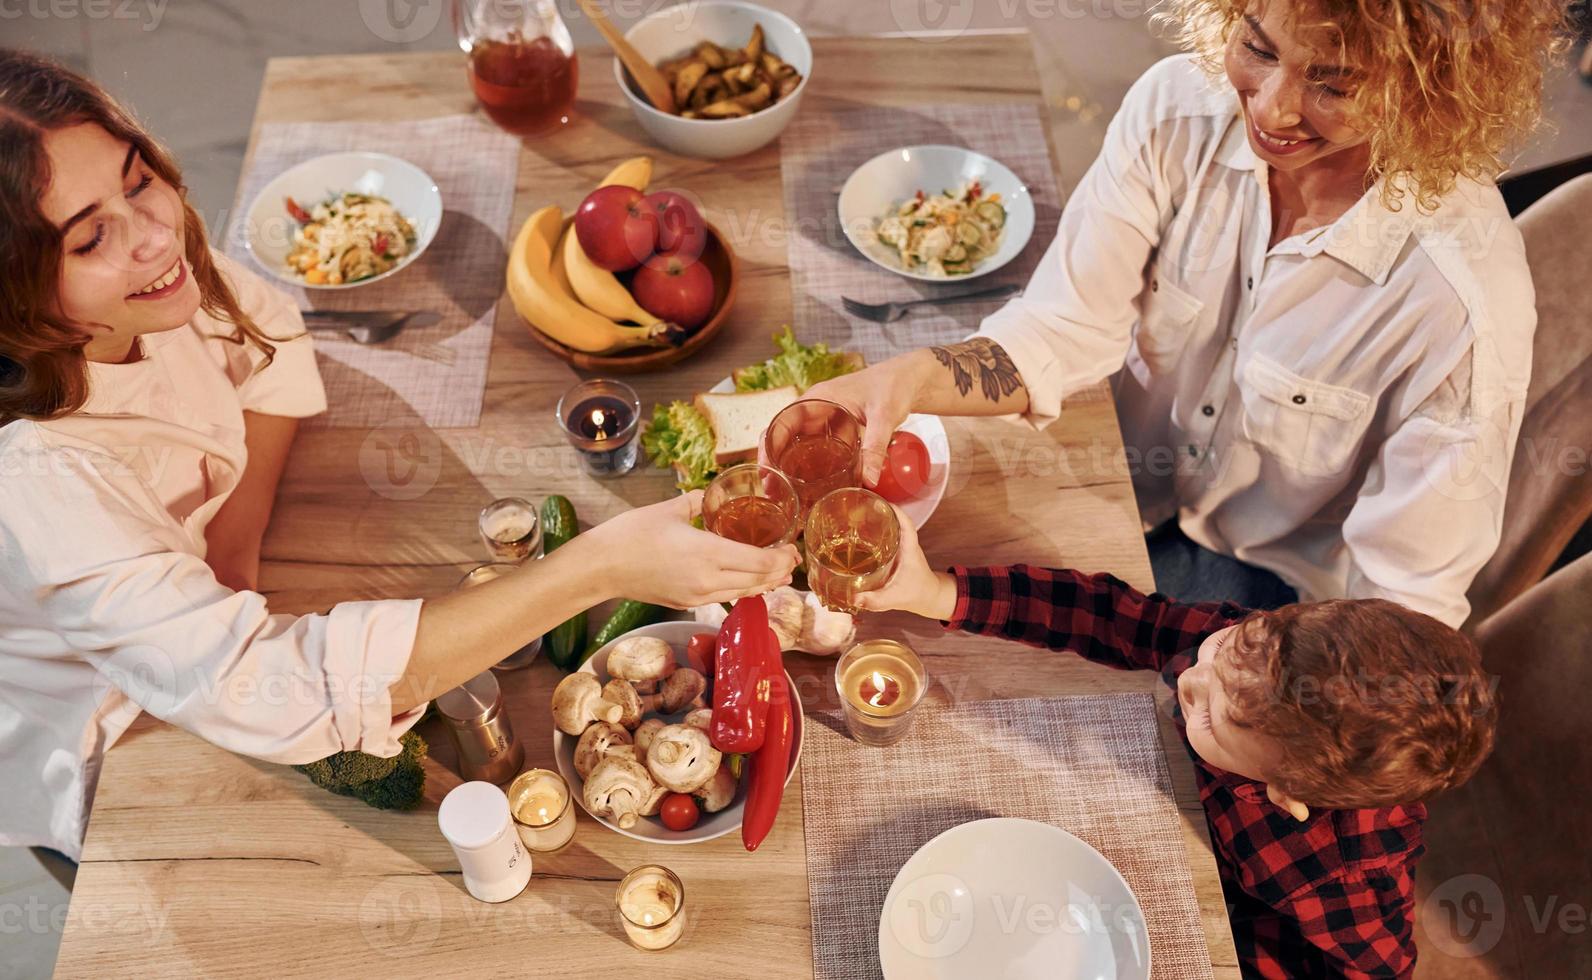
488,750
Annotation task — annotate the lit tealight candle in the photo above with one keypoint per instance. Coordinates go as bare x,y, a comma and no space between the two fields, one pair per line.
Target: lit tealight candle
540,801
880,683
602,418
651,902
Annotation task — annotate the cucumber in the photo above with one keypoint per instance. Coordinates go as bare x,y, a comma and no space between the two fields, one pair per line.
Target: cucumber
630,615
991,213
968,234
567,639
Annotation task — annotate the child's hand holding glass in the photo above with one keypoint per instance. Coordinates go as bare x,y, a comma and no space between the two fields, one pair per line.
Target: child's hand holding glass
915,587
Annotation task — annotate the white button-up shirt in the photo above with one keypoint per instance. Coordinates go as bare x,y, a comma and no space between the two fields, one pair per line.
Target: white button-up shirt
108,608
1340,408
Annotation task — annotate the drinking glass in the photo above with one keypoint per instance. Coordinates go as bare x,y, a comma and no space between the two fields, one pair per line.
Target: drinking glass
818,444
852,540
511,530
753,504
522,62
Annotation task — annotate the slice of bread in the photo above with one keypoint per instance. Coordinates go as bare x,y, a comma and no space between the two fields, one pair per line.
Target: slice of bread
739,418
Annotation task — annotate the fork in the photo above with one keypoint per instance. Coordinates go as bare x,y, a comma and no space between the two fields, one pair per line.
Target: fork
366,326
890,312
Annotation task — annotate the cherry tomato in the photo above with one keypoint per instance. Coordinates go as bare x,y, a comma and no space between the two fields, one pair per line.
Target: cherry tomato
906,468
679,812
700,650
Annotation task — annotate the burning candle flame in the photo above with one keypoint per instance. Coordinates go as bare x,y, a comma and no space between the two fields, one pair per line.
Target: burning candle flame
878,690
597,419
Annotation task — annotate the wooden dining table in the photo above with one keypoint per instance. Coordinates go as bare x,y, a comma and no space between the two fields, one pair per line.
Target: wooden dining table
201,862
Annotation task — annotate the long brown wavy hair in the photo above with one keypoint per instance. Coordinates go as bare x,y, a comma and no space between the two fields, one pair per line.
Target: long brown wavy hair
43,373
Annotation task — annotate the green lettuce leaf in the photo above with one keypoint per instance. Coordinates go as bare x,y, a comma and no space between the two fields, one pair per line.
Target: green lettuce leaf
680,436
796,364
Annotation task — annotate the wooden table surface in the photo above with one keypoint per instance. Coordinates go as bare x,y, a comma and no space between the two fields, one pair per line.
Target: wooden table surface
200,862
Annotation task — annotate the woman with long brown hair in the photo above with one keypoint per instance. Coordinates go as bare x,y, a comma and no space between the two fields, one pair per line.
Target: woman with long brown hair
149,393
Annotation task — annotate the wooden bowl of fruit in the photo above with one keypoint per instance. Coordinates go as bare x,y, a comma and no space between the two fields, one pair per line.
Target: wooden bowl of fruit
629,282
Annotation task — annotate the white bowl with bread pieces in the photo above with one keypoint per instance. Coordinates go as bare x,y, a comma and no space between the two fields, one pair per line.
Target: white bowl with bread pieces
671,36
607,765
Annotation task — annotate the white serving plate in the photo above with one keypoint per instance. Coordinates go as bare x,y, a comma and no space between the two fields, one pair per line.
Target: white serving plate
1014,899
931,430
895,175
268,233
712,825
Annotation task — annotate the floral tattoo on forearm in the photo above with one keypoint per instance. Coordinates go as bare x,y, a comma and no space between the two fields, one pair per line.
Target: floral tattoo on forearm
983,359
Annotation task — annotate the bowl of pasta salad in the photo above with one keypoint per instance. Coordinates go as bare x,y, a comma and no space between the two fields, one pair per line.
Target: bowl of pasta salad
343,220
936,213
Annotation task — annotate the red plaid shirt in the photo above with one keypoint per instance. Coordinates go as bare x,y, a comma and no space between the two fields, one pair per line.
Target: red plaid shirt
1332,896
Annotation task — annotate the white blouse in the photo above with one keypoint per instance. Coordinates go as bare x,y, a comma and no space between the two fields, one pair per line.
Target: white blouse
1341,408
108,608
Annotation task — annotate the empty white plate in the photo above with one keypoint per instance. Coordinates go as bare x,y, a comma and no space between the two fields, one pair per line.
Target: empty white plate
1014,900
891,177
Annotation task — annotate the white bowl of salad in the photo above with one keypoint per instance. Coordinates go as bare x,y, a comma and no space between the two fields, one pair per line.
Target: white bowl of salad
936,213
343,220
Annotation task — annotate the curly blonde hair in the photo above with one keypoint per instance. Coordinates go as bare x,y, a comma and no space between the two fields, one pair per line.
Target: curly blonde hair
1448,84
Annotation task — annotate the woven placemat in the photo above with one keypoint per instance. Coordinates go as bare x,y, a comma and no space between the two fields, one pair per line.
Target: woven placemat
1091,765
437,373
824,144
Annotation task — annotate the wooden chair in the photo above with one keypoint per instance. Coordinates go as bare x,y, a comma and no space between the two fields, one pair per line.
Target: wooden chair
1505,889
1550,486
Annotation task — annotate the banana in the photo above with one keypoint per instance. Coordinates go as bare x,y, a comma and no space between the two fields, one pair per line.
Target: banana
536,294
597,287
635,172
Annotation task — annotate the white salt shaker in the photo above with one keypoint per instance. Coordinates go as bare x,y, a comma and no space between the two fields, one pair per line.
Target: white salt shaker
475,819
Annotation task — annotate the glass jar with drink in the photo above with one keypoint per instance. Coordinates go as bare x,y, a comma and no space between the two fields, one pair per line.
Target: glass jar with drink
522,62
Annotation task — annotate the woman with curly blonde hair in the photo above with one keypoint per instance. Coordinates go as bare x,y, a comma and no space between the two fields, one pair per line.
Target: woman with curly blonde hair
1292,255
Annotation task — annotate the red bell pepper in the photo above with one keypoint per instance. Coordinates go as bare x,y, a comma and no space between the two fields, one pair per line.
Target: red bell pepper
770,763
740,695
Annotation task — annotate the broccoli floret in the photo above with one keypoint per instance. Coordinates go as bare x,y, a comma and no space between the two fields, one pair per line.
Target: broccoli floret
397,783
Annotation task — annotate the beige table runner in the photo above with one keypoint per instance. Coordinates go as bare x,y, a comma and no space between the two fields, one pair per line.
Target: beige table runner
434,374
1091,765
824,144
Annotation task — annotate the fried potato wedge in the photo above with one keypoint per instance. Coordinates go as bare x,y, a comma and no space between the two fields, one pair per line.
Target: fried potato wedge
715,82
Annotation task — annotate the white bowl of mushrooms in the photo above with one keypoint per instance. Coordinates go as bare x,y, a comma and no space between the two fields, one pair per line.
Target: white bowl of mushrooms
637,694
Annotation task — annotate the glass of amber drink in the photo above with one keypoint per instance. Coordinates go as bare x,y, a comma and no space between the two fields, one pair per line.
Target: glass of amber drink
753,504
818,444
852,540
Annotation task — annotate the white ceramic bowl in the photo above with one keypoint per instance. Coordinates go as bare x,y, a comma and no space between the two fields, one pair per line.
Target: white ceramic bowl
712,825
1015,899
895,175
269,230
674,31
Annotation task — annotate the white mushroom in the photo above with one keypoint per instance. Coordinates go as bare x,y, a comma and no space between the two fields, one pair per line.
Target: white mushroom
683,689
681,758
643,661
644,734
623,693
578,701
717,793
596,743
700,718
620,789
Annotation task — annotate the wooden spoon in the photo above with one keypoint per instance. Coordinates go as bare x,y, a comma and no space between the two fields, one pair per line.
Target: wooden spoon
653,85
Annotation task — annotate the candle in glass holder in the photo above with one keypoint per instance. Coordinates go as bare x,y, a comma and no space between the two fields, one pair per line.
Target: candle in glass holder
540,801
601,418
511,530
651,902
880,683
486,573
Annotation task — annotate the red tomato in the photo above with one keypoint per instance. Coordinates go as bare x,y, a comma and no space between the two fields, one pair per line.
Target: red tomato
679,812
906,468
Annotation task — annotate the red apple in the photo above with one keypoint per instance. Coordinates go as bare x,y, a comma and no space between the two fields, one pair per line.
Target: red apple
616,231
681,229
674,288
